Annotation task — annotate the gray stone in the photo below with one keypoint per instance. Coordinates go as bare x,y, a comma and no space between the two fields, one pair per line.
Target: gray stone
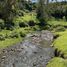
34,51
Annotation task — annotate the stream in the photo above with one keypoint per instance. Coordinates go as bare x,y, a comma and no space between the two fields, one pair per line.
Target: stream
34,51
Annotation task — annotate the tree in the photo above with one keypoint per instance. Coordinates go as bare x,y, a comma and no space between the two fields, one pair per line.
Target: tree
8,9
47,2
41,15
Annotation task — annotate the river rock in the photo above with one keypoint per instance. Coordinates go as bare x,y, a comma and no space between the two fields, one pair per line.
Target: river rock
34,51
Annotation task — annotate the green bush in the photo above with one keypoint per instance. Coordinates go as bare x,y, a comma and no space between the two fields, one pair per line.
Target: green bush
14,35
31,23
2,37
9,25
2,25
60,28
22,34
57,10
66,14
58,14
36,28
19,22
22,24
20,13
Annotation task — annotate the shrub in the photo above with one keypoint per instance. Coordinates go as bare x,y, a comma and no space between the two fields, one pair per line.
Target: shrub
28,6
56,10
18,21
22,34
14,35
66,14
2,23
58,14
9,25
31,23
22,24
47,27
42,23
36,28
2,37
20,13
60,28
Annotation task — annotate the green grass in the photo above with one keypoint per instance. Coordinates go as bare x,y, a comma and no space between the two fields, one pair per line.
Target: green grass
26,18
57,22
29,16
9,42
12,41
57,62
57,25
61,33
61,43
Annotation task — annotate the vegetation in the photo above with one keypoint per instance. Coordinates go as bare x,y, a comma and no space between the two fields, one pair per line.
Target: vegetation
9,42
61,44
57,62
20,17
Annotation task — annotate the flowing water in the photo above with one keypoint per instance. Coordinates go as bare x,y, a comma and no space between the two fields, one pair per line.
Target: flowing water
34,51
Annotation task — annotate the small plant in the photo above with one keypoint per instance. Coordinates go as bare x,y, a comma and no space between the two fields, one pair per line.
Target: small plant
22,24
14,35
31,23
20,13
60,28
1,24
22,34
2,37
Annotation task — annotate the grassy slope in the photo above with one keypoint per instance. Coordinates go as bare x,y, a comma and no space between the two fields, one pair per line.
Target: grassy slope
61,42
11,41
57,22
26,18
57,62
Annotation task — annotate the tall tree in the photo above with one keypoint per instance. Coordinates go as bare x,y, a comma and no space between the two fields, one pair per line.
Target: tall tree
41,10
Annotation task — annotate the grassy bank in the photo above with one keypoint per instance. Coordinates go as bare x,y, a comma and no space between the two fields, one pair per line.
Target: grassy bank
59,28
19,31
57,62
61,43
9,42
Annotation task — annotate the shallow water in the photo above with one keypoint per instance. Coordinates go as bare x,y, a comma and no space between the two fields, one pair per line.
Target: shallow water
34,51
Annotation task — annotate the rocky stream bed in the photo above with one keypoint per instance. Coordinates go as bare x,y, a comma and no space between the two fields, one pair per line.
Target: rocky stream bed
34,51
